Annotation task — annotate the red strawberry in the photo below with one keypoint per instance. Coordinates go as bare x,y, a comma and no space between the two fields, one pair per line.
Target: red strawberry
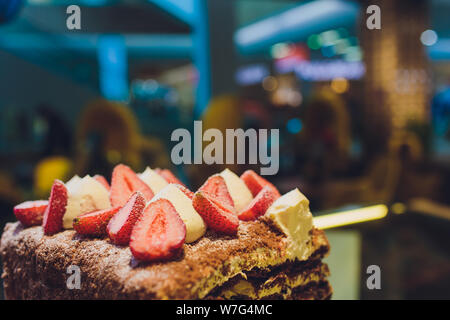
168,176
53,215
259,205
94,223
124,183
102,180
217,216
255,182
185,190
216,187
159,234
31,213
120,226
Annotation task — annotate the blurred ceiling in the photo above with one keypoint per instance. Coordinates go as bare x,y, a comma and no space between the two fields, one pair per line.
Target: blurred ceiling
39,35
152,30
110,18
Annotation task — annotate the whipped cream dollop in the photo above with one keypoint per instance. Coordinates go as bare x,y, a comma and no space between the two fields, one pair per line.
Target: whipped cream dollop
195,226
84,195
153,180
291,214
238,190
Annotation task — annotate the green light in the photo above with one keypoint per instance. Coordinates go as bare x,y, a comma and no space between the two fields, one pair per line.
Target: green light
353,54
314,42
279,50
341,46
329,37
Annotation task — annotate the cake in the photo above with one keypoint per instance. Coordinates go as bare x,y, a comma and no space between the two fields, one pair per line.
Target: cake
268,249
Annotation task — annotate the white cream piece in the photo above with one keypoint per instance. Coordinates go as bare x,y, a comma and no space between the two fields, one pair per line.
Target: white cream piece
153,180
195,226
290,213
84,195
238,190
72,183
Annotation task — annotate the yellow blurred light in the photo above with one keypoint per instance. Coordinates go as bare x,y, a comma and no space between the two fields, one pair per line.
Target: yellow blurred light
113,156
270,83
49,169
398,208
350,217
339,85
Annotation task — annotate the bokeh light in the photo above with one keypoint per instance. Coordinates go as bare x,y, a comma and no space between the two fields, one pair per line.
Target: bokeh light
270,83
339,85
294,125
429,37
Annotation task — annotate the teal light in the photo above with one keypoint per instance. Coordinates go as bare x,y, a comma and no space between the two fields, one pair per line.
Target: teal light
328,51
294,125
343,32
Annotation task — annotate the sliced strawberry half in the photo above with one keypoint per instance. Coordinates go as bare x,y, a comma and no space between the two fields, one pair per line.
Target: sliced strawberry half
53,215
103,181
94,223
216,188
31,213
124,183
121,224
259,205
168,176
255,182
159,234
218,216
185,190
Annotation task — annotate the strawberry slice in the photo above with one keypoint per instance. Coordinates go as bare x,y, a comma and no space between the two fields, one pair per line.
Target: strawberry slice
53,215
159,234
124,183
102,180
255,182
168,176
121,224
31,213
218,216
94,223
259,205
185,190
216,187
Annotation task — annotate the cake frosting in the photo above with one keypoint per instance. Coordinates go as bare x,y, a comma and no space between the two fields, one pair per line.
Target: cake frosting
84,195
290,213
195,226
153,180
239,192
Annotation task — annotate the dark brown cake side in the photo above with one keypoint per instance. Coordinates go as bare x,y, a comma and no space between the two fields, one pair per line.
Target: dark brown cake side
35,266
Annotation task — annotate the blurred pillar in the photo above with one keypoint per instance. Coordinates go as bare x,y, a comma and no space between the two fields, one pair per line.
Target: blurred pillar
201,55
113,67
223,49
396,82
214,50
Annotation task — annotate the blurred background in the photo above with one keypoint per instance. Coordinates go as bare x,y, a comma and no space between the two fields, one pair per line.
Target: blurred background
364,115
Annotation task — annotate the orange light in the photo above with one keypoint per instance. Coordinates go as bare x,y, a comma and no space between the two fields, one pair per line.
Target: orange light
339,85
